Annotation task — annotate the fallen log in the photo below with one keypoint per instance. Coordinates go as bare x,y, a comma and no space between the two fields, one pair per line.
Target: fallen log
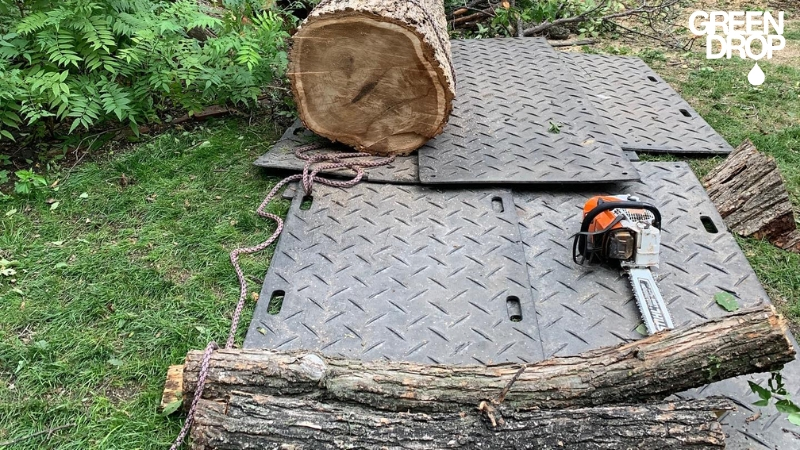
247,420
650,369
749,193
374,74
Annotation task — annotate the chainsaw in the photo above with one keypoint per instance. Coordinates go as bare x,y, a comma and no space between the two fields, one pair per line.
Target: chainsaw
621,230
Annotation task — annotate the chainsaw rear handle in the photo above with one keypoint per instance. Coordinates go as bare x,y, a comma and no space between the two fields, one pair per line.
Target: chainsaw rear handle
580,238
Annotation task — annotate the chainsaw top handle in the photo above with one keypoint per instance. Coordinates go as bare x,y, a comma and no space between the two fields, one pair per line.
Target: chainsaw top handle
580,238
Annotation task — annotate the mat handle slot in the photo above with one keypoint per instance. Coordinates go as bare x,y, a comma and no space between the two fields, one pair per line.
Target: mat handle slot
497,204
514,308
276,302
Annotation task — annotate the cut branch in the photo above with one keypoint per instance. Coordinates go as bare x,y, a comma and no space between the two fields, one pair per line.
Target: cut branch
650,369
249,420
646,9
488,12
532,31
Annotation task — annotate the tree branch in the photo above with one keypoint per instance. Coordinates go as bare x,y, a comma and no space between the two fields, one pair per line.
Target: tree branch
642,9
547,24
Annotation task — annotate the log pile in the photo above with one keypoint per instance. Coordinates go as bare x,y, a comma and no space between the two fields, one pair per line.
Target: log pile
375,75
263,398
750,195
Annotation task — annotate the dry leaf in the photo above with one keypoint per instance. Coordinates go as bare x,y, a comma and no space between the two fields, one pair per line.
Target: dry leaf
753,418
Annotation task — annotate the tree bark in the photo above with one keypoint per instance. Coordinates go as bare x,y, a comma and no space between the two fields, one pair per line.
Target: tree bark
650,369
748,190
257,421
374,74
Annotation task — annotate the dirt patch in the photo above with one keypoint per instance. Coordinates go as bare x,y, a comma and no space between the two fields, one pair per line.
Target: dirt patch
178,276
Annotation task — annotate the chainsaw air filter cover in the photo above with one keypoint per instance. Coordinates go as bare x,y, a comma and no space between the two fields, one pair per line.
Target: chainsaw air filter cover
620,244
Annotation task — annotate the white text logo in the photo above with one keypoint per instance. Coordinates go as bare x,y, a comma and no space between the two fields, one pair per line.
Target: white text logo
746,34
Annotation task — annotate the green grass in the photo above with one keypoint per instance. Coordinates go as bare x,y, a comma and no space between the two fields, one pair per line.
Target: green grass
115,285
769,115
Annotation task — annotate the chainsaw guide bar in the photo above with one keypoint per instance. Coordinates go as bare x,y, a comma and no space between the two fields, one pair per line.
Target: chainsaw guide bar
651,304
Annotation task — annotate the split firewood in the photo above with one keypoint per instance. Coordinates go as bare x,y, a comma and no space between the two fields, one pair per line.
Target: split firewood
649,369
374,74
246,420
750,195
173,387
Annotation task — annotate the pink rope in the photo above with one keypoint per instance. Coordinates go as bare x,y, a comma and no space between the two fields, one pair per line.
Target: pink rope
313,165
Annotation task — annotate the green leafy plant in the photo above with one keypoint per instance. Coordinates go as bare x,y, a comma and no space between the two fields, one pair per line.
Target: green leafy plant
776,390
650,55
28,181
507,16
85,62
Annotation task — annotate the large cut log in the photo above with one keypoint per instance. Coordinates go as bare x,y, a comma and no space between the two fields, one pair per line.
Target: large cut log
262,421
374,74
749,193
650,369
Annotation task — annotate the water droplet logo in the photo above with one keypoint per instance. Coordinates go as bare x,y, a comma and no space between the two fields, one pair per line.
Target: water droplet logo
756,76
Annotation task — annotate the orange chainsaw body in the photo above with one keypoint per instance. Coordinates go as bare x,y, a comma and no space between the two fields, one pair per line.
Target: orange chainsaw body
605,218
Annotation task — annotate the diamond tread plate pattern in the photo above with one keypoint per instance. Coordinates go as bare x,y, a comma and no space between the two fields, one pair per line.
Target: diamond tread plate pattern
281,157
751,427
643,112
512,95
585,307
402,171
401,273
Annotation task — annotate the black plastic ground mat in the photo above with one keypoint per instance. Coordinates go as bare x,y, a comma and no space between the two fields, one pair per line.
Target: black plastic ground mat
585,307
401,273
402,171
643,112
478,276
281,157
520,117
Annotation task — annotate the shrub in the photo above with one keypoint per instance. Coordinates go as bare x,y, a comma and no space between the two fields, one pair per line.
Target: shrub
84,62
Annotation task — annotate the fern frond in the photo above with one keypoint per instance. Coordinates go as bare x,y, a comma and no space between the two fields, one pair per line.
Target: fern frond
60,48
115,99
32,22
